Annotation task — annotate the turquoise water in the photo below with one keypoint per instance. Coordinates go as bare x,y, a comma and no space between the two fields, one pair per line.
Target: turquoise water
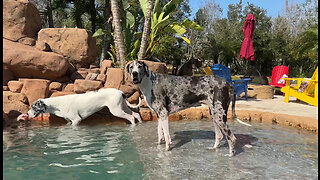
125,152
71,153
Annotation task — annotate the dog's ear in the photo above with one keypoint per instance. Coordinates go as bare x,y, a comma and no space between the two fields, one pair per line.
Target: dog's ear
126,74
127,68
146,68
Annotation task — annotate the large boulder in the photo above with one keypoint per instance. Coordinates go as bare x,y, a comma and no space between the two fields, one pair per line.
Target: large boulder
77,45
14,104
35,89
28,62
21,21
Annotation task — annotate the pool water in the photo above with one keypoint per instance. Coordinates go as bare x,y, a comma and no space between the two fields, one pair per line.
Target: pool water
72,153
125,152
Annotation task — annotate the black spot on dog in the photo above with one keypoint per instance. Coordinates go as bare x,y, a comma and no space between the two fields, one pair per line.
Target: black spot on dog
152,96
167,102
191,97
174,96
229,132
194,80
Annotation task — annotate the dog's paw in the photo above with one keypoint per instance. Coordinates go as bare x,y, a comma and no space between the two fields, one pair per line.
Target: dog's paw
161,141
167,147
231,154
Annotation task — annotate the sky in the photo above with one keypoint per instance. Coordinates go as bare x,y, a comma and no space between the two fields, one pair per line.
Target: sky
273,7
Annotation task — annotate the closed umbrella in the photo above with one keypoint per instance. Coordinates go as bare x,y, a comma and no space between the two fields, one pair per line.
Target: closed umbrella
247,45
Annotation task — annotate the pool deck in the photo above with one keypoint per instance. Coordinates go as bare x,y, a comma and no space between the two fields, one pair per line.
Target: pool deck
277,105
297,114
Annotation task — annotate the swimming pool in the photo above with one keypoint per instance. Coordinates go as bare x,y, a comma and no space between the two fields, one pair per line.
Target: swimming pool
124,152
72,153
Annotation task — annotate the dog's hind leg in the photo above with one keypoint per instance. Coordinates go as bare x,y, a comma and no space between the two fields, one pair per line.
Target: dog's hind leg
124,115
123,112
76,121
137,116
218,135
217,130
220,119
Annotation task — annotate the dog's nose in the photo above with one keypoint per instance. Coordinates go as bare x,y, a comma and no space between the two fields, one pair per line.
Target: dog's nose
135,73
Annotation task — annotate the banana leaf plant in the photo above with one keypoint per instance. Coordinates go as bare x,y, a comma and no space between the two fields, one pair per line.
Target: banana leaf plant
162,23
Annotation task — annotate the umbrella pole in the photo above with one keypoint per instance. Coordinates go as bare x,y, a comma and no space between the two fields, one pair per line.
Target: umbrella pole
245,68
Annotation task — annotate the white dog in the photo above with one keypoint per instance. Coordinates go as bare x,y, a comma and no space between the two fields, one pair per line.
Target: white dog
76,107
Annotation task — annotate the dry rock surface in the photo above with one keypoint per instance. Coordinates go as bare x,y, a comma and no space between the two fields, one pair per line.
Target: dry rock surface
21,21
35,89
26,61
14,104
15,86
77,45
82,86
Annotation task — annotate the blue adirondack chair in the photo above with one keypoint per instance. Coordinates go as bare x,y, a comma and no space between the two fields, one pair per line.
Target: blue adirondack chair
240,85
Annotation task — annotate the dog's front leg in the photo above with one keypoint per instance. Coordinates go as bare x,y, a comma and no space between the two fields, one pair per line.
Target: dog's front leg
160,133
165,126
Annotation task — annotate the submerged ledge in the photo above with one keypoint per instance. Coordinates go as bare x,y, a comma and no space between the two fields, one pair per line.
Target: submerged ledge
196,113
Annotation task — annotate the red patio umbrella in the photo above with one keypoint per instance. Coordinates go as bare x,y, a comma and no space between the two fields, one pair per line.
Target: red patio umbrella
247,45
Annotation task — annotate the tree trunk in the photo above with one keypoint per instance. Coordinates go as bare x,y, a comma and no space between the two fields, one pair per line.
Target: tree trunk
146,31
50,17
78,14
107,26
93,16
118,36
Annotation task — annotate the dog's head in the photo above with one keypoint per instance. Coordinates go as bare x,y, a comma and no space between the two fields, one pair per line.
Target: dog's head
137,70
196,63
38,107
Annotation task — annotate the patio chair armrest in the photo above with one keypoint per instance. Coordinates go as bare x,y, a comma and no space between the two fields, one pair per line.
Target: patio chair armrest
246,80
299,79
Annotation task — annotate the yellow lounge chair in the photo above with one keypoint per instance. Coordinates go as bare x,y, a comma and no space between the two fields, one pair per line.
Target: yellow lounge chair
309,95
207,70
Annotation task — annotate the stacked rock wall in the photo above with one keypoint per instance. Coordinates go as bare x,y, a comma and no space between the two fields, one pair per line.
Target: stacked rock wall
50,62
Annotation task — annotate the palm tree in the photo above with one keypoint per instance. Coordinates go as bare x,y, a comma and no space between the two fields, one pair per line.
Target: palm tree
146,31
118,36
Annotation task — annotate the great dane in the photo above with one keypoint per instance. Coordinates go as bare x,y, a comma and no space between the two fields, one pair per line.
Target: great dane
167,94
76,107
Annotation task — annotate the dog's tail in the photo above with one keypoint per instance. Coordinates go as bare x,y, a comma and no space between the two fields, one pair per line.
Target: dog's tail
132,106
233,97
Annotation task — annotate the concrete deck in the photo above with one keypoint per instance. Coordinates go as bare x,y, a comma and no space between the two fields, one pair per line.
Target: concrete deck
296,114
277,105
